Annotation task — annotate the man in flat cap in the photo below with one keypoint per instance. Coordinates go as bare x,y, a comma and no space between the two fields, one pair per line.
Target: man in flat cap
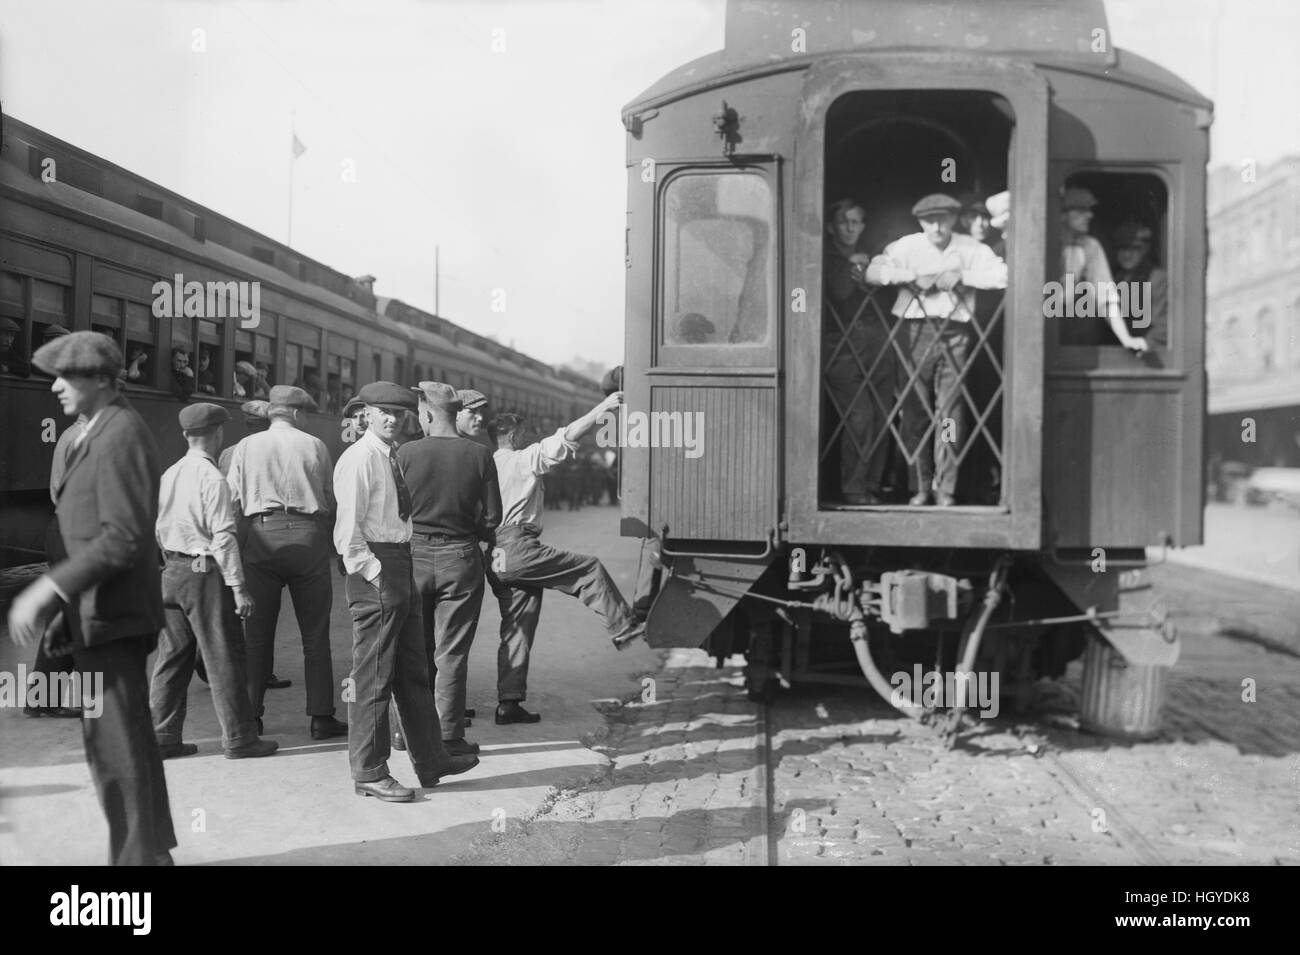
108,589
1083,260
938,271
455,504
1147,283
390,662
523,567
469,420
281,482
11,360
204,597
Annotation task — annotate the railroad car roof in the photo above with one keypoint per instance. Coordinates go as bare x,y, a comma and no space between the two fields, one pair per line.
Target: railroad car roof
760,39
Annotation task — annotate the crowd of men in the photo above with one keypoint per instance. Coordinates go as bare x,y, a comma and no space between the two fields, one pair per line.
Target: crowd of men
905,372
192,562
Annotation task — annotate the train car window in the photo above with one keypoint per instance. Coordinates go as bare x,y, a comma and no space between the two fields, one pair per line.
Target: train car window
13,338
254,368
302,369
50,307
1113,260
718,259
208,373
140,335
106,317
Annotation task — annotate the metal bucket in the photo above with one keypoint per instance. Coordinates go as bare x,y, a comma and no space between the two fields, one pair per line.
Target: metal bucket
1120,698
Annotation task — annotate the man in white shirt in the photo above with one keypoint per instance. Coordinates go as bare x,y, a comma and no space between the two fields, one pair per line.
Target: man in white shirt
204,597
372,531
521,566
937,271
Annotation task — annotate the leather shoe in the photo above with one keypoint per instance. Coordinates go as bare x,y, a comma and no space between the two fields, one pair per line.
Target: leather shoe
387,789
512,712
460,747
173,750
253,750
399,743
944,500
455,766
273,682
327,727
920,499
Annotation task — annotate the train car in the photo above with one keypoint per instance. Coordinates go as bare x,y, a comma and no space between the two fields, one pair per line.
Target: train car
84,245
1075,455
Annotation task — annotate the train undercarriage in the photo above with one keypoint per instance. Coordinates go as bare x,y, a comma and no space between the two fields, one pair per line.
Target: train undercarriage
941,635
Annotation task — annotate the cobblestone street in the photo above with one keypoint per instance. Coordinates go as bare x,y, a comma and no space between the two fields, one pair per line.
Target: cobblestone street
854,783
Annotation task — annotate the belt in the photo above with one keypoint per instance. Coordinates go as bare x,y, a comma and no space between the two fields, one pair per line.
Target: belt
388,547
532,530
285,512
178,555
435,538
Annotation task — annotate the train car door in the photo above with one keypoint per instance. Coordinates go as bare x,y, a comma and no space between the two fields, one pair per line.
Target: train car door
708,413
967,123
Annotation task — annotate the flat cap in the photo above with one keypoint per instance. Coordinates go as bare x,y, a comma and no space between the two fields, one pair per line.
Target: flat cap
200,415
256,409
246,367
354,405
386,394
9,325
79,353
936,204
973,202
437,394
471,399
1076,197
1133,235
54,331
290,396
613,381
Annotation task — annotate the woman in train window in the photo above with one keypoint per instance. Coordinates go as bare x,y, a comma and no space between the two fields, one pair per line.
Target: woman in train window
854,350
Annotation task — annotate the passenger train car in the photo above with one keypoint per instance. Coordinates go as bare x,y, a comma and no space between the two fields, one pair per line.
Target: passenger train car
1076,455
82,245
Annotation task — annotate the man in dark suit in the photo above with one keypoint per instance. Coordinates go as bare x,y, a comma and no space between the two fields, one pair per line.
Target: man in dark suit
108,590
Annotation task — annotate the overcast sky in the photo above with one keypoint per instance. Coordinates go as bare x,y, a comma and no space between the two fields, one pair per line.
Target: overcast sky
510,160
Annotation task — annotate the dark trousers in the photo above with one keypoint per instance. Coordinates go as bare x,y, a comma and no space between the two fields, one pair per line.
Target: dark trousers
123,755
449,578
199,614
522,567
290,550
390,662
864,416
938,360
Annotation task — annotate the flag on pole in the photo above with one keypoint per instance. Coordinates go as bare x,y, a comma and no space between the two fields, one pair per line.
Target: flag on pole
298,147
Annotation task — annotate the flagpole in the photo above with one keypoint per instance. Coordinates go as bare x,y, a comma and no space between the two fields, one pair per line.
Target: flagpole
293,161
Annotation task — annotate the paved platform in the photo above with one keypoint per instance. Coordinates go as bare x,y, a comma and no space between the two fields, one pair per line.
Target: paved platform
297,806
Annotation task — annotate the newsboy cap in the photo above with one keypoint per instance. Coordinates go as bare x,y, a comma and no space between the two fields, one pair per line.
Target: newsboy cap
79,353
613,381
973,202
354,405
290,396
200,415
54,331
246,367
256,410
471,399
439,395
936,204
386,394
1076,197
9,325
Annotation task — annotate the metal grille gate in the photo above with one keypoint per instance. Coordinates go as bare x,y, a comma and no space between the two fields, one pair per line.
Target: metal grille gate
874,307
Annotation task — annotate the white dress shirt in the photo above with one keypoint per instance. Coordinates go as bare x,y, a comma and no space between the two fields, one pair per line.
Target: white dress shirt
281,467
979,265
367,505
523,495
195,516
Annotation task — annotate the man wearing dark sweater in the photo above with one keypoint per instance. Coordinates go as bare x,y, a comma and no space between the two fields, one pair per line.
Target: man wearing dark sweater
455,503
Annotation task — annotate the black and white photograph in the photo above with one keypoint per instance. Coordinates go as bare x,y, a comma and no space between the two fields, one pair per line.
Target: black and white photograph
732,433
